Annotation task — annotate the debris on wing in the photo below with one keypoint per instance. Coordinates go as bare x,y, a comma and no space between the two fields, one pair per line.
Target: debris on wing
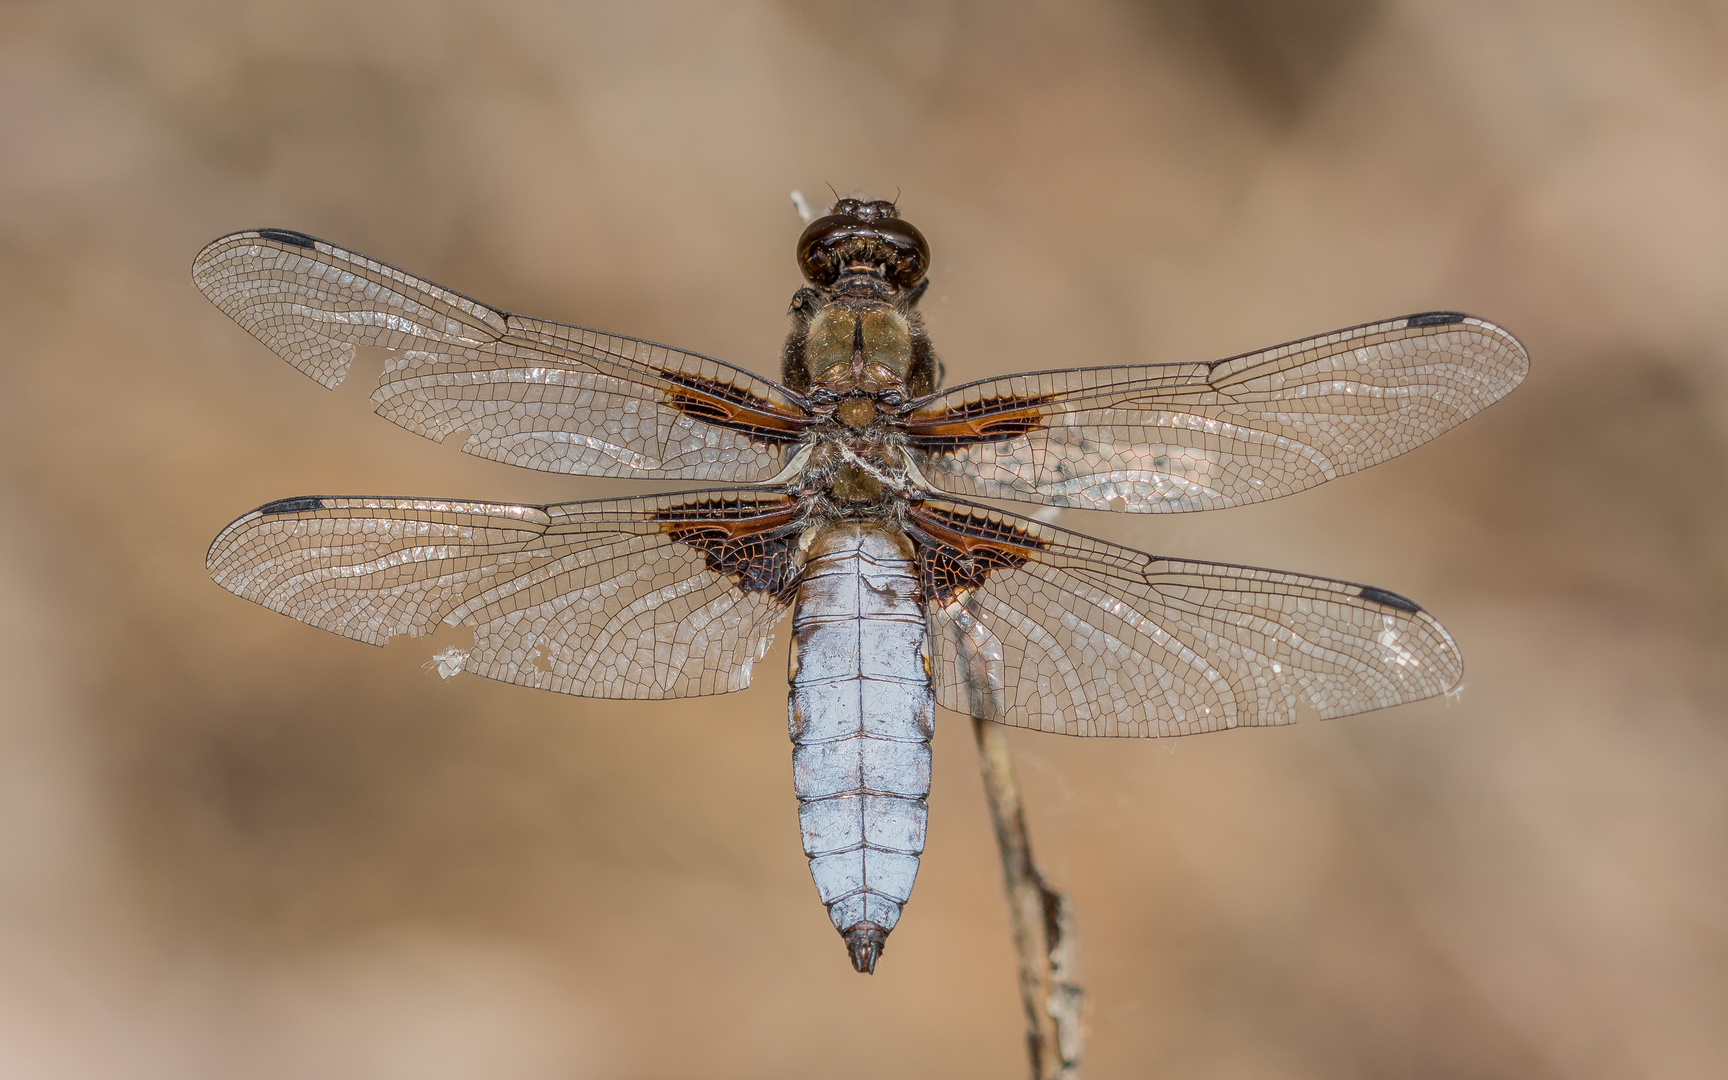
449,662
804,210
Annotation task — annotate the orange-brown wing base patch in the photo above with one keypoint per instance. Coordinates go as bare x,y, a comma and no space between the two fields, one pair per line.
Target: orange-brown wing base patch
729,406
995,419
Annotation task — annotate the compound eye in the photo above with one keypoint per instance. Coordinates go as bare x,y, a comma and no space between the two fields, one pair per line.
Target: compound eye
832,242
908,252
816,247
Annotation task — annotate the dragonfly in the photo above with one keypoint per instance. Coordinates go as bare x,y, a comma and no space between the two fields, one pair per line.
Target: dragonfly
859,497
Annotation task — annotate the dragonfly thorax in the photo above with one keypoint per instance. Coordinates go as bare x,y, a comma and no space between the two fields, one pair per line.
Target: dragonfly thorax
852,348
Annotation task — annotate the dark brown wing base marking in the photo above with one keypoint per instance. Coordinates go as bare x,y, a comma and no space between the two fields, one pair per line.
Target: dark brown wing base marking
751,544
958,551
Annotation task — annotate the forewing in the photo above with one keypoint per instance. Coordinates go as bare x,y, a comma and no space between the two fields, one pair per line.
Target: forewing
1042,628
528,392
659,597
1164,438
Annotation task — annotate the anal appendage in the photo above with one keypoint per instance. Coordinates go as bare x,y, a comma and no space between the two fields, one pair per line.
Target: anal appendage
864,943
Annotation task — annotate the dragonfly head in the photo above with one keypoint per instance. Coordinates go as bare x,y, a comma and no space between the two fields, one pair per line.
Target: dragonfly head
863,237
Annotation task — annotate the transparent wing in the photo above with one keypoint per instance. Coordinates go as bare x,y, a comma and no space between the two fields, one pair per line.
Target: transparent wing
669,596
1172,437
528,392
1041,628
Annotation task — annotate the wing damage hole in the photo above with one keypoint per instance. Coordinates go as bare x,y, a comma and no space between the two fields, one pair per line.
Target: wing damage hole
365,371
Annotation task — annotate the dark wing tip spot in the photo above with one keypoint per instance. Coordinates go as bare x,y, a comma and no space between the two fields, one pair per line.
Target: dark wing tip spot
288,236
1390,599
291,506
1435,318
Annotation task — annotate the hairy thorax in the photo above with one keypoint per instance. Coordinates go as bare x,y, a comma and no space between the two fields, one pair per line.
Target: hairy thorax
857,358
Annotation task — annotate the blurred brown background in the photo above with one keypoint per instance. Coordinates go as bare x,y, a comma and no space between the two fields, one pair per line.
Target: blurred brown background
235,847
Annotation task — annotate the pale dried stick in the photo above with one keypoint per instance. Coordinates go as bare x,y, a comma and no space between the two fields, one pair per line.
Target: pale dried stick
1042,921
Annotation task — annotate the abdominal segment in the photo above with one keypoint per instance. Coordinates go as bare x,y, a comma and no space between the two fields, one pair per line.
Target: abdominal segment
861,715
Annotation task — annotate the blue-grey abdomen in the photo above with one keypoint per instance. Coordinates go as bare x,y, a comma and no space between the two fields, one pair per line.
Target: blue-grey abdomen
861,716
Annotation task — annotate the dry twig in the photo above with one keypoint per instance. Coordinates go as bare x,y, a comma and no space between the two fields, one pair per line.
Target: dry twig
1042,919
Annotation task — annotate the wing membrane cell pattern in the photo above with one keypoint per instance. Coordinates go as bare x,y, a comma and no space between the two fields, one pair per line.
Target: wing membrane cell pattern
1068,634
1168,438
597,599
528,392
